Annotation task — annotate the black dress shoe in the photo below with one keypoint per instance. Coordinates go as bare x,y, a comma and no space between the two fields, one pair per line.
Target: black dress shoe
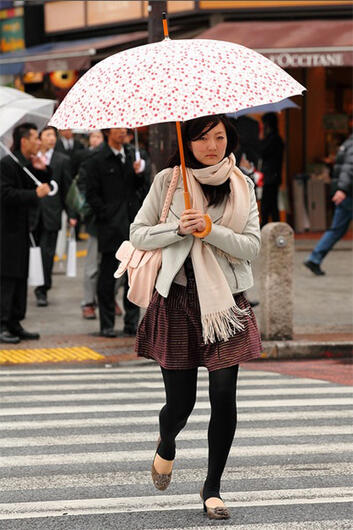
314,267
42,301
8,337
23,334
109,333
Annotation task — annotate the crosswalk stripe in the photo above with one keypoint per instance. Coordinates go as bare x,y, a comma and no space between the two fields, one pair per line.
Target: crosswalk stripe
153,368
172,502
130,376
302,415
190,454
264,403
288,525
132,437
133,395
243,384
185,475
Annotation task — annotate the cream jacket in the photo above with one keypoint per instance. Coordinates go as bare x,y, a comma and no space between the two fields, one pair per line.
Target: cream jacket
147,234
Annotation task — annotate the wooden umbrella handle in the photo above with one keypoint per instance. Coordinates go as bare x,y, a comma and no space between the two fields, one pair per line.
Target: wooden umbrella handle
187,202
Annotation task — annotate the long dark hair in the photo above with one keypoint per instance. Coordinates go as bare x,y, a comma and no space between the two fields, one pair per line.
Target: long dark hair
191,131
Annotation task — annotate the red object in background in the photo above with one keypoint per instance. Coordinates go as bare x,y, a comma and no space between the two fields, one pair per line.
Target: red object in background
259,178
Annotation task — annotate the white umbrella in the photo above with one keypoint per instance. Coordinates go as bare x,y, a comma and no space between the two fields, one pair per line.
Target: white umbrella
17,107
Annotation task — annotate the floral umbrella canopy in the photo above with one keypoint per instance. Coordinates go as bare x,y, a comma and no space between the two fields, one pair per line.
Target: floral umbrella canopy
172,80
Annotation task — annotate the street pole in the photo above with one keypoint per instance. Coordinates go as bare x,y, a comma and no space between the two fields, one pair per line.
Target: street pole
161,137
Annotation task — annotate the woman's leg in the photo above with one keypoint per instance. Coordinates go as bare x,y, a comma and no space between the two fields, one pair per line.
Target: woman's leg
222,426
180,389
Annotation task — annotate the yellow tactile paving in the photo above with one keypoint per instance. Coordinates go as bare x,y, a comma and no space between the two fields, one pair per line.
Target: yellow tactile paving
53,355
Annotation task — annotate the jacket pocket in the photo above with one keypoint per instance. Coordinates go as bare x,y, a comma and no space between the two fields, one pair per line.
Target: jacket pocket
232,267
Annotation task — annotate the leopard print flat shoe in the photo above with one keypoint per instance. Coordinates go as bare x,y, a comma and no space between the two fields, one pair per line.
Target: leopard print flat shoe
160,480
217,512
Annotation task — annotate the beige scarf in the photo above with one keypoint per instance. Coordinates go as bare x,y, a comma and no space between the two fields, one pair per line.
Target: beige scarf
220,316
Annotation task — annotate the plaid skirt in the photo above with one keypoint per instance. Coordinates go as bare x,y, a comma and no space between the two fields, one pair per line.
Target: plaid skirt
171,332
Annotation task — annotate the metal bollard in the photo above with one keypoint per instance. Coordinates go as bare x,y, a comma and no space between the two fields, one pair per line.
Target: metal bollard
276,281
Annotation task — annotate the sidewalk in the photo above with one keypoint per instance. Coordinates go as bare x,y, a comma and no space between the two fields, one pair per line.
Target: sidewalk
323,316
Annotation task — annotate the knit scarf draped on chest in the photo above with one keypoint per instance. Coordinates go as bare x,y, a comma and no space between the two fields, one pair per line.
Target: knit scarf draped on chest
221,318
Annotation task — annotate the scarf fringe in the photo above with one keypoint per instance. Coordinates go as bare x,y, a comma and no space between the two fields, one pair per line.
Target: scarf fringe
222,325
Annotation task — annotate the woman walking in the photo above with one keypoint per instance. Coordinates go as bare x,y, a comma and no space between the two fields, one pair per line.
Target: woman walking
198,315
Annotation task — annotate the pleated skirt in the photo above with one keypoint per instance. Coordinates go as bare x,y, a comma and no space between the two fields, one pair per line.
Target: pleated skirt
171,333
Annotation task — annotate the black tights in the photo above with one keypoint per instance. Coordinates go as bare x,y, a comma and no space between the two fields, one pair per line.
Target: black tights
180,388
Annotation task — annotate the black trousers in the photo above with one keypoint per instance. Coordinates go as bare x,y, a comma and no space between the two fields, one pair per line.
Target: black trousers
13,303
46,239
269,204
106,296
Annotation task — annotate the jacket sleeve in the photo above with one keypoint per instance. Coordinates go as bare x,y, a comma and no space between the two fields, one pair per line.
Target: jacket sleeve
242,246
144,230
11,195
345,177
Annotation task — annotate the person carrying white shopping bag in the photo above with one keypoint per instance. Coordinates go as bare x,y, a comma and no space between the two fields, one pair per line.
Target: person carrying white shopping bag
71,267
35,268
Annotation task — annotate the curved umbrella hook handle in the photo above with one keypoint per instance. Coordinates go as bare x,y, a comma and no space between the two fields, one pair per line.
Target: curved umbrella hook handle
54,188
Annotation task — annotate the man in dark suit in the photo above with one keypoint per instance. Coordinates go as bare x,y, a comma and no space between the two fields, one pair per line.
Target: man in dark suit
18,195
68,145
114,180
47,217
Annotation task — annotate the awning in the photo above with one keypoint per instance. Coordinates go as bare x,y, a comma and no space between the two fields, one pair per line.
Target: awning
68,55
292,44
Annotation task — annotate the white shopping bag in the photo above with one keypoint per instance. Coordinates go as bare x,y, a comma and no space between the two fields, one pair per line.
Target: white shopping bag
35,269
61,241
71,268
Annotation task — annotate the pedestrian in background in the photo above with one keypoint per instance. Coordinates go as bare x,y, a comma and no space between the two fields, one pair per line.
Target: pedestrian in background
113,181
271,153
68,145
342,179
198,315
46,219
90,273
18,195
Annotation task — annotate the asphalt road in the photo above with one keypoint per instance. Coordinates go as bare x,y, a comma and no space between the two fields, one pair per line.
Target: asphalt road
76,446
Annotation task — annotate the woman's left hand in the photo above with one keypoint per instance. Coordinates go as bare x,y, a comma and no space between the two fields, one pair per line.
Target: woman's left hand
192,221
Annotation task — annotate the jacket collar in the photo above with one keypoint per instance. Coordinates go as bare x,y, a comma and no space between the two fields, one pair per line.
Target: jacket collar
24,161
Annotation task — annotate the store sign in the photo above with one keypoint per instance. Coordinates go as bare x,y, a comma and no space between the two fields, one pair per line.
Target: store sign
308,60
11,34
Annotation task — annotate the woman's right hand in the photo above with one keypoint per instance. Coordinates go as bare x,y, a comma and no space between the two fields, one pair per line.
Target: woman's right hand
191,221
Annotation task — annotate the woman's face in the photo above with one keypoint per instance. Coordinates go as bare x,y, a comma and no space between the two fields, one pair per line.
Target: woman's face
210,148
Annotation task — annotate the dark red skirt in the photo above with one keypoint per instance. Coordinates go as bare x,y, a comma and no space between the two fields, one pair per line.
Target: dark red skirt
171,333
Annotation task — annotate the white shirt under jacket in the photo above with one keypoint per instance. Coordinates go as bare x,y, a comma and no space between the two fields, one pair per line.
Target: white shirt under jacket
175,248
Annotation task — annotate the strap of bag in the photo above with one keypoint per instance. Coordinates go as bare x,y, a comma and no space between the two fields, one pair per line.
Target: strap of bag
170,193
33,243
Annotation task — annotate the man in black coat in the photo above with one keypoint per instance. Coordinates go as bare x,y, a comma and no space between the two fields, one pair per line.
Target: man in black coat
342,184
18,194
114,180
46,221
68,145
271,152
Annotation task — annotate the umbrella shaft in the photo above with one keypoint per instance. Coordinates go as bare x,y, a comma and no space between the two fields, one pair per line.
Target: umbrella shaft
183,168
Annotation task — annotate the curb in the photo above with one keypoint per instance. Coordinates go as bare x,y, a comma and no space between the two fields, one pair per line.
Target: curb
306,349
